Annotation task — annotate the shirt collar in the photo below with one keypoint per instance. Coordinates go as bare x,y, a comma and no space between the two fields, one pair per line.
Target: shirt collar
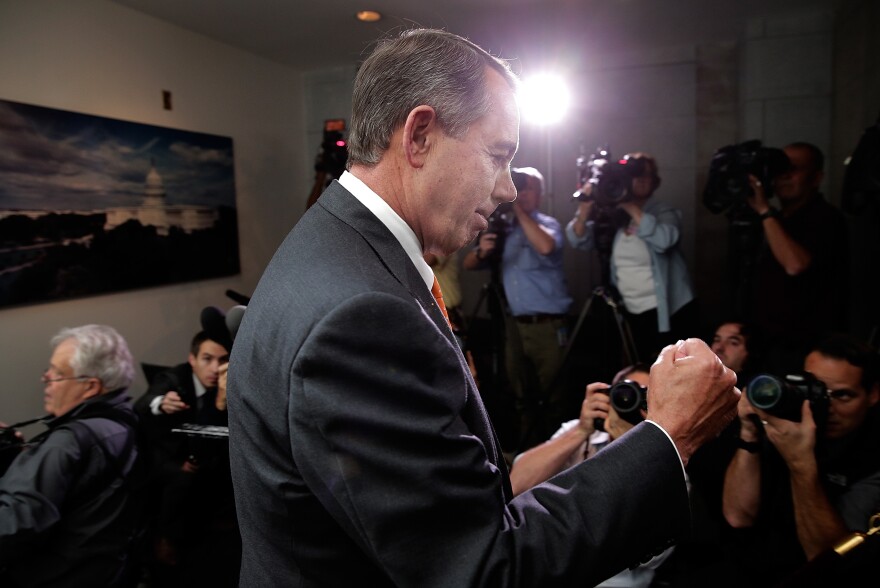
200,388
386,215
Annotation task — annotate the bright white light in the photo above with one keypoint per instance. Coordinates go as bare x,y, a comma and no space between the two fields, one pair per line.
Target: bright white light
544,99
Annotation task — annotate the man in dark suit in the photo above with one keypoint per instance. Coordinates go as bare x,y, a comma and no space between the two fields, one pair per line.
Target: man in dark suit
360,448
189,475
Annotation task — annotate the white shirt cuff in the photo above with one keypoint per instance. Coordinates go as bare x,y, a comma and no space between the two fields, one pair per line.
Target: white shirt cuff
156,402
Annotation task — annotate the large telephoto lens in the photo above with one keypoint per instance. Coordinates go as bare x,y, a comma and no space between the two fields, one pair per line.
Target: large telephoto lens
765,392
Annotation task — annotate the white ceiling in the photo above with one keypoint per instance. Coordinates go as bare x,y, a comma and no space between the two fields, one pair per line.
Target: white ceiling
312,34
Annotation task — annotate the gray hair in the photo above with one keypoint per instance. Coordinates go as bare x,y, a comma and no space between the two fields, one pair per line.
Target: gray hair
101,353
421,66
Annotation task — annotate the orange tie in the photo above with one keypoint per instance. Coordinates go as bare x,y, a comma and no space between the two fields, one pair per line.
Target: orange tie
438,296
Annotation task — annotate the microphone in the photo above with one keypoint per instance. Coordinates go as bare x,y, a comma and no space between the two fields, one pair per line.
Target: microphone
236,297
233,319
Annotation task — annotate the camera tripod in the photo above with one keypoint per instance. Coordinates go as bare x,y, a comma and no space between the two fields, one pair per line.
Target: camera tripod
628,349
487,341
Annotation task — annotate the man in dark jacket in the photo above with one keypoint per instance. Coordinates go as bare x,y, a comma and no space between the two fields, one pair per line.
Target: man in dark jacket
66,506
189,474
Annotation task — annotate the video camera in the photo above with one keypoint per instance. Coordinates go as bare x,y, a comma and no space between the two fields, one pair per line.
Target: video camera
610,180
728,183
783,397
334,149
628,399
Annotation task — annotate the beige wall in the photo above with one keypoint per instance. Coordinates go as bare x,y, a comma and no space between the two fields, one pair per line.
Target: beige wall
95,57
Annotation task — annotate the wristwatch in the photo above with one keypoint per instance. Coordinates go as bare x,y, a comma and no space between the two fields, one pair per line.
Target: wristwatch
750,446
768,213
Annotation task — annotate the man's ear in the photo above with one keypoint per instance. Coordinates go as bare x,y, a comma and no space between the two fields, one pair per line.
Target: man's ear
93,389
419,132
192,360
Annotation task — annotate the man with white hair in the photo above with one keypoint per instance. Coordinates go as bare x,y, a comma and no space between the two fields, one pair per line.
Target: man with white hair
65,501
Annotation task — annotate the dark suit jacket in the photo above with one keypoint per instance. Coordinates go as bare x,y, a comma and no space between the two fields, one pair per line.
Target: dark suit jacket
166,450
362,453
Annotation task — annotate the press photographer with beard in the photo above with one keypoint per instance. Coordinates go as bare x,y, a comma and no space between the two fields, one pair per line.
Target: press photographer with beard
793,489
646,264
538,299
801,275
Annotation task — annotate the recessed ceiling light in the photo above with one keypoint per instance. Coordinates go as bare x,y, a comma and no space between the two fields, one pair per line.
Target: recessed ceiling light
368,16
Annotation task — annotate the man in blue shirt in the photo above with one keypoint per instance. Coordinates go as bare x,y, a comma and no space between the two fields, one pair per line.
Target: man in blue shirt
538,300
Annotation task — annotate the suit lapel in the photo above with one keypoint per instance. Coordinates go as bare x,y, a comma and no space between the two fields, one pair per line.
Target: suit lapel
340,203
343,205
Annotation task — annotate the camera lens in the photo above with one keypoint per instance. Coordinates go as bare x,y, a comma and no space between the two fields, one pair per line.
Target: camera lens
625,397
765,391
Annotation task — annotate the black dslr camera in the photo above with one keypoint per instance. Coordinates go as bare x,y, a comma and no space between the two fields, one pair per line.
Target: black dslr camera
728,183
10,446
783,397
610,179
627,398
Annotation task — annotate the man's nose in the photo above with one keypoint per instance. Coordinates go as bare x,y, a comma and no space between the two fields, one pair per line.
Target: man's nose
504,190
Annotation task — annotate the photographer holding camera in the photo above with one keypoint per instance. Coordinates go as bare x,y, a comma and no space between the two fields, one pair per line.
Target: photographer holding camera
800,281
534,285
67,501
576,440
646,265
797,487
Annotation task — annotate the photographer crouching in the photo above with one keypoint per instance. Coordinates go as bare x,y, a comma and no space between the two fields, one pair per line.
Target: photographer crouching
66,506
644,261
807,468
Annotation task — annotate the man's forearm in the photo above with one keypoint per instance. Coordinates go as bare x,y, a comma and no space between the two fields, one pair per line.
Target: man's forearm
818,524
541,463
741,498
793,258
539,239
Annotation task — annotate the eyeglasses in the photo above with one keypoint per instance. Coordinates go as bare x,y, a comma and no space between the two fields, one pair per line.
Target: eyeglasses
47,380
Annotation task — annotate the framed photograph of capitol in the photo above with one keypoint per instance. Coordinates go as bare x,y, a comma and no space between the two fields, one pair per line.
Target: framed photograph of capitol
92,205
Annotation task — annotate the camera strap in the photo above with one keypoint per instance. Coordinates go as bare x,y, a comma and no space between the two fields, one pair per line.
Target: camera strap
43,418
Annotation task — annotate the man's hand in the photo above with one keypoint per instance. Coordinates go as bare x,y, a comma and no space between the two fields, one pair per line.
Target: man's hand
16,433
691,394
222,377
595,406
633,210
487,244
795,442
758,199
748,416
616,426
190,466
172,403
